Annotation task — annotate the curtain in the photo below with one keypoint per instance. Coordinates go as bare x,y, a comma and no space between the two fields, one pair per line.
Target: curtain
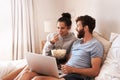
23,31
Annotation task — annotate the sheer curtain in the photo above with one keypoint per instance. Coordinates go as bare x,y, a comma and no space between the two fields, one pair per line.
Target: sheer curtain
23,38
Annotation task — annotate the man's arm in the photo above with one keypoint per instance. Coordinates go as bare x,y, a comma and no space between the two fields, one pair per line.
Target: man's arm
91,72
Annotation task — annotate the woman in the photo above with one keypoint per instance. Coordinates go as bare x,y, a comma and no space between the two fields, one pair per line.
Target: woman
62,39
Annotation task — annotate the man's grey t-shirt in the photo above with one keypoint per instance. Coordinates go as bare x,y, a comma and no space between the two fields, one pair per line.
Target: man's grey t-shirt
81,54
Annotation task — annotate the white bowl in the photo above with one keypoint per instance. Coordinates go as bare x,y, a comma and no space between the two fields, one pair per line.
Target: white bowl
58,53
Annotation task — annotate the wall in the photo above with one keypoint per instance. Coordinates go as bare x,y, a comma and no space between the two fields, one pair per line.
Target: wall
80,7
45,10
108,16
105,12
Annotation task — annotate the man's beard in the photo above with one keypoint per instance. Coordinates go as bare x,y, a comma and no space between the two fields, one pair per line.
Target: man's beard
81,33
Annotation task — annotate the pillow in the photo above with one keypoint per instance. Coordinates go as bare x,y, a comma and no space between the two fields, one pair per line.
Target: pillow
113,36
111,67
115,39
106,44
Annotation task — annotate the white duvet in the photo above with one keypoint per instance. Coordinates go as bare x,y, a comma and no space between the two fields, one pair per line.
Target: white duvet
8,66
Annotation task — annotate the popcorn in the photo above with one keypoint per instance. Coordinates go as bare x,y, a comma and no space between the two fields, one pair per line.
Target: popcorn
58,53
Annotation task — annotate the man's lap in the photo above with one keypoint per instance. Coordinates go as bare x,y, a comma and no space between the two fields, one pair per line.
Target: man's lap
75,77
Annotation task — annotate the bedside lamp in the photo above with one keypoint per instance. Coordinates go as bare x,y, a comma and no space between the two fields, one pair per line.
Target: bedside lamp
50,26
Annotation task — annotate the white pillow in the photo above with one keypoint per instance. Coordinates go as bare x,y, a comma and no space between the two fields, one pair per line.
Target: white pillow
115,39
106,44
113,36
111,67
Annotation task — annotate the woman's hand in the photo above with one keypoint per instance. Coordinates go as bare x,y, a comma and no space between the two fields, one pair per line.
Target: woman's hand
55,39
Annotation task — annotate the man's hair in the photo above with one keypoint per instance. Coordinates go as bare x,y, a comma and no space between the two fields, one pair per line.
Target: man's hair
87,21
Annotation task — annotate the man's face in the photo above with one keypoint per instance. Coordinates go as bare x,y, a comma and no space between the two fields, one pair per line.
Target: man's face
80,30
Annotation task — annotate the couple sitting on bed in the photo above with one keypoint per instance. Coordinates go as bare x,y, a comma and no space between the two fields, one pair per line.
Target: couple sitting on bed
84,60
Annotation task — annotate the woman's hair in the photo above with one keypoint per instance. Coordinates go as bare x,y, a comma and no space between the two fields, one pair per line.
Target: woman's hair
66,18
87,21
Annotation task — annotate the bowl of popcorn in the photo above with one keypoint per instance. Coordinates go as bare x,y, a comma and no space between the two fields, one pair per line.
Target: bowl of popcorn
58,53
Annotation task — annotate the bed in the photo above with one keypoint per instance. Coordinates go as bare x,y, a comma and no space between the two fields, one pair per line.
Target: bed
8,66
110,69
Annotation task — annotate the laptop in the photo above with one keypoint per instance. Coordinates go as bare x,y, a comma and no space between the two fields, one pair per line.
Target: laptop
45,65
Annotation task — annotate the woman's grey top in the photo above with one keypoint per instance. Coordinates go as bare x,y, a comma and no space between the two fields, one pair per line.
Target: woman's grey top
64,42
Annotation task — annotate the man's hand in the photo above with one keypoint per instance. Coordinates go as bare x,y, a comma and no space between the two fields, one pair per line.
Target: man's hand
66,69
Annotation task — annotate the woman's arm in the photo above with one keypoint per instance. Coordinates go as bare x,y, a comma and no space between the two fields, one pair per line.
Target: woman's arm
12,74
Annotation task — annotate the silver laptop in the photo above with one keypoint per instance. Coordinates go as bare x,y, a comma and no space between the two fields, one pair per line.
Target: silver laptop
45,65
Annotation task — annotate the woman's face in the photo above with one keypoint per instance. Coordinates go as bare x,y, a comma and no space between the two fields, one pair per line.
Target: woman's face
62,28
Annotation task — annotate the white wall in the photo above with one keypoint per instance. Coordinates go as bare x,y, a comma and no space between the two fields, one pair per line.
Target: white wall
108,16
52,9
80,7
106,13
45,10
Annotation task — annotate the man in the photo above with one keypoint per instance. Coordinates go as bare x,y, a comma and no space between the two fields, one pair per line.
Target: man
86,54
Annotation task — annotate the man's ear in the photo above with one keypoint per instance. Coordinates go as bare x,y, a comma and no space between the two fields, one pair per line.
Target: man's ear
86,27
